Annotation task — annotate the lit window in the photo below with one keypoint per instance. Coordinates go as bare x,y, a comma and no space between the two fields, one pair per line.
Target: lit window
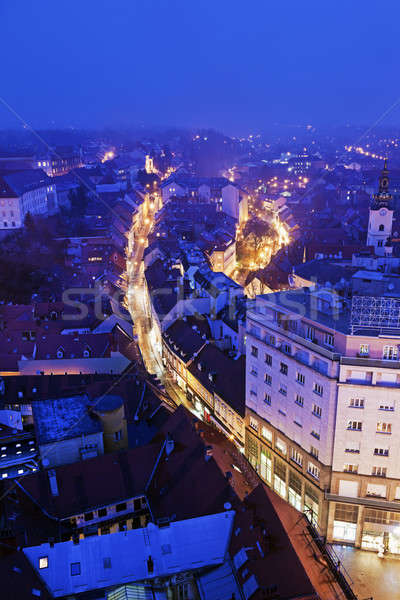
384,427
253,423
43,562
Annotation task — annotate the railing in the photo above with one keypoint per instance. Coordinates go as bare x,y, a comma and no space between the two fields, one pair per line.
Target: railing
329,555
272,325
370,362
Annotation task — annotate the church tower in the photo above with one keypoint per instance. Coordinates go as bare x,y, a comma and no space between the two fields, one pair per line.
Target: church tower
381,217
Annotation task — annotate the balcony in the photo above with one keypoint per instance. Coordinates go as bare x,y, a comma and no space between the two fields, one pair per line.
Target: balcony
370,501
357,361
299,339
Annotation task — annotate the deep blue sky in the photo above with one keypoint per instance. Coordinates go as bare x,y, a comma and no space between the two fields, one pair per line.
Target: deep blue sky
237,65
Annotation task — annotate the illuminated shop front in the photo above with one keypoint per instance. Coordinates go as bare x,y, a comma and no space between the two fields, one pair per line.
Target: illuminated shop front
381,531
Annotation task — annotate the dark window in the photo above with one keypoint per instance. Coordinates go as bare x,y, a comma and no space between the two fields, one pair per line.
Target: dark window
120,507
102,512
89,516
76,568
107,562
284,368
137,504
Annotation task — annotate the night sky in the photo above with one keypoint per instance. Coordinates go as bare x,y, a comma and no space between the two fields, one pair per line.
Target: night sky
235,65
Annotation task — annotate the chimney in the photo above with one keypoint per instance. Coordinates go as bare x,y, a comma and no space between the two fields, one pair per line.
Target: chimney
53,482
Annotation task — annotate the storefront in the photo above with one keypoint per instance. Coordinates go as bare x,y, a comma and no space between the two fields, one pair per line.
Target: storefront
345,523
381,531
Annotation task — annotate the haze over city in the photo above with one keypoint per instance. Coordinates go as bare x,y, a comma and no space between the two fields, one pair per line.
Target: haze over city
227,65
199,300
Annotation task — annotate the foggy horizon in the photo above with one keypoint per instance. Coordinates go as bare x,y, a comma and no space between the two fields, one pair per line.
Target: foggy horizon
181,65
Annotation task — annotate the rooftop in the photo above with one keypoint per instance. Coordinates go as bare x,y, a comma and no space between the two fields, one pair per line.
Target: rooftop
134,555
64,418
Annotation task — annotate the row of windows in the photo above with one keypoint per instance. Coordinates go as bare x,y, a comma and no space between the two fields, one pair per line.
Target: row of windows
380,426
316,410
300,378
388,352
360,403
280,444
376,471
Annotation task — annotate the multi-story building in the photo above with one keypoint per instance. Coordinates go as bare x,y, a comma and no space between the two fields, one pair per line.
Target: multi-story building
322,394
215,388
60,161
23,192
291,382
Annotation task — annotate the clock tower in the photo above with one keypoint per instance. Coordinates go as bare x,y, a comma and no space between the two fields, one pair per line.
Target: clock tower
381,217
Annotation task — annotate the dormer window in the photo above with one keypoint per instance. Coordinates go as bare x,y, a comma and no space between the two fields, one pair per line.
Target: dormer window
381,227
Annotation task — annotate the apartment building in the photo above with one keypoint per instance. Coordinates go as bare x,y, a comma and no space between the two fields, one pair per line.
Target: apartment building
291,381
322,409
364,497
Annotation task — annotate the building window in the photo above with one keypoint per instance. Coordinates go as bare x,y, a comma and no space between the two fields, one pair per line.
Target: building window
296,456
313,470
364,349
107,562
329,339
281,446
390,353
266,434
254,372
317,411
356,402
254,351
267,399
284,368
102,512
120,507
310,333
314,452
253,423
379,471
300,378
118,435
268,360
286,348
381,227
318,389
315,434
384,427
381,452
354,425
268,379
386,407
89,516
283,389
350,468
299,400
75,568
43,562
